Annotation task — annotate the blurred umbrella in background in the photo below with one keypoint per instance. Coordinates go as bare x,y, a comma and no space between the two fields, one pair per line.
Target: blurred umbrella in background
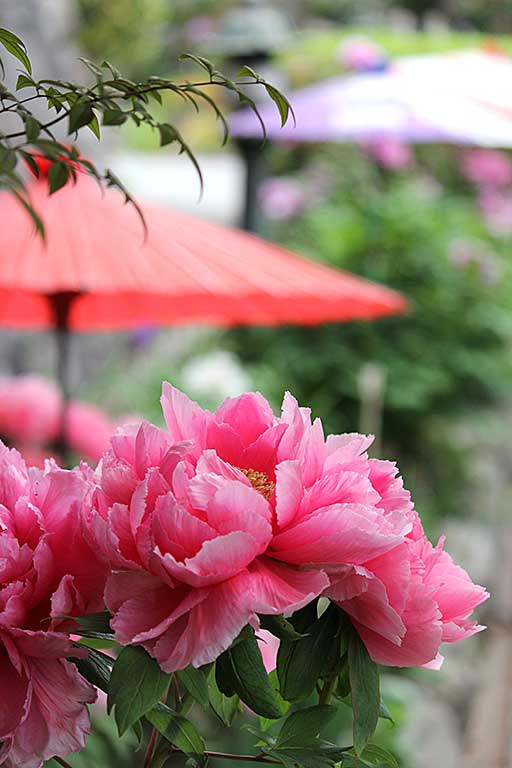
461,97
97,271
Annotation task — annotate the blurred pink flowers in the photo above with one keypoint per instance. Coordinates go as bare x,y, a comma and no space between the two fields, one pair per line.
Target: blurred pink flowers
389,152
46,571
229,514
496,207
466,253
29,410
486,167
30,419
282,197
361,54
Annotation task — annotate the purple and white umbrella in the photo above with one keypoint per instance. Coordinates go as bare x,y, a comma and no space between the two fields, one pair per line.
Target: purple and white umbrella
462,97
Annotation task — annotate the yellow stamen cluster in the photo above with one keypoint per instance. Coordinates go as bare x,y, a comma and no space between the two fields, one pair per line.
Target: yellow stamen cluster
260,482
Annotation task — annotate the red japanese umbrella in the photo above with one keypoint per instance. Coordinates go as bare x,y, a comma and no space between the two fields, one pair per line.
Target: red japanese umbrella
97,271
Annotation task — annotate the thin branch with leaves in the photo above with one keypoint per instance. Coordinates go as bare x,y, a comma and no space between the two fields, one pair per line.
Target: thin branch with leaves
110,100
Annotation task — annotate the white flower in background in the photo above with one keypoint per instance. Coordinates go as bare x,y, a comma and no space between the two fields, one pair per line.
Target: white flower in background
216,375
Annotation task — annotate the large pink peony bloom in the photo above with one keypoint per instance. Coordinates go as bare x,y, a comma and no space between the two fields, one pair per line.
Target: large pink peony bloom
237,512
46,571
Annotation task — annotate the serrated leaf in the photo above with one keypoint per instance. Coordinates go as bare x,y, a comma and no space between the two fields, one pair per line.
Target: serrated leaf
280,627
240,670
16,47
195,681
95,668
179,731
300,662
137,683
365,691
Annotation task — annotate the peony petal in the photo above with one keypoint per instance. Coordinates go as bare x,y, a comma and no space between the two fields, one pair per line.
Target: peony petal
177,531
14,698
145,608
209,628
262,454
279,588
185,419
342,533
422,638
289,491
217,560
238,507
249,415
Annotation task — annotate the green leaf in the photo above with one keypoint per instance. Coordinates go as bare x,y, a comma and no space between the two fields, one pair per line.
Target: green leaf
247,71
378,756
95,668
137,683
300,662
195,681
225,707
168,134
58,176
113,117
240,670
81,114
94,126
16,47
280,627
200,60
36,219
301,728
29,159
95,622
365,688
32,128
179,731
309,757
24,81
280,101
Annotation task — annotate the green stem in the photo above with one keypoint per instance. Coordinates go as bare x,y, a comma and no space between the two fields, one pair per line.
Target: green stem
61,761
150,751
327,690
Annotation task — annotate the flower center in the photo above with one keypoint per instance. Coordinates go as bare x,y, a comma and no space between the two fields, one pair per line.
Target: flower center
260,482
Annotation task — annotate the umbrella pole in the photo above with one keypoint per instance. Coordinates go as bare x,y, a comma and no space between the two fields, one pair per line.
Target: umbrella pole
252,152
61,304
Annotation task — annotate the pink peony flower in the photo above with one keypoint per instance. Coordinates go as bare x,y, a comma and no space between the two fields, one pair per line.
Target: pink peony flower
486,167
229,514
46,571
30,409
